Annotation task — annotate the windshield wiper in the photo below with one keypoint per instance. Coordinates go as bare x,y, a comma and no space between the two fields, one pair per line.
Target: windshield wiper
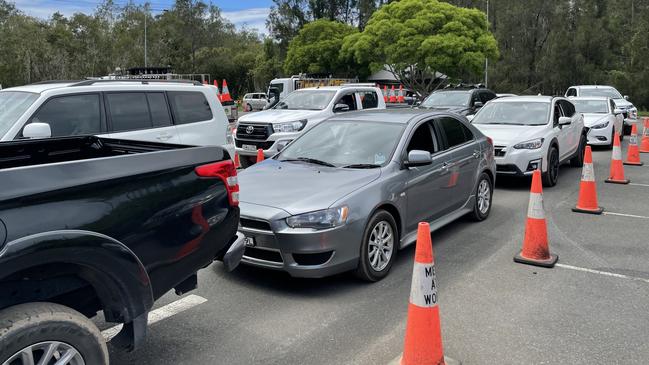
362,166
309,160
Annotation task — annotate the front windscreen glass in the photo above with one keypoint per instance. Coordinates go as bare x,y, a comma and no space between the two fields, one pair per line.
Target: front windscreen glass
607,92
306,100
514,113
447,99
13,105
590,106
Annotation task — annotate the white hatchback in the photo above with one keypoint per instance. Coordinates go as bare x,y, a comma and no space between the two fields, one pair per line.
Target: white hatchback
157,111
601,117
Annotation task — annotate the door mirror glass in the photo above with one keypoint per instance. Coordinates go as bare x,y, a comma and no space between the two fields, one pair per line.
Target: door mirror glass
626,97
341,108
565,120
478,104
37,130
418,158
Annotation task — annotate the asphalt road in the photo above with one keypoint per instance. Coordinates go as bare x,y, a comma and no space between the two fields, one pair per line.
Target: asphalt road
493,311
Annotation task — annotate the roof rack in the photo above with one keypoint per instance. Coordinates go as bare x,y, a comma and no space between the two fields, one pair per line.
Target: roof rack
46,82
142,81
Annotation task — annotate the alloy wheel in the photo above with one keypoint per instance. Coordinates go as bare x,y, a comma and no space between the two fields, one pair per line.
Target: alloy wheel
484,196
381,245
46,353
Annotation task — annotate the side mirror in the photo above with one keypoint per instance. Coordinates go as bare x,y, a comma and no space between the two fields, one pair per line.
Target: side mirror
418,158
37,130
626,97
417,103
341,108
478,104
617,111
565,120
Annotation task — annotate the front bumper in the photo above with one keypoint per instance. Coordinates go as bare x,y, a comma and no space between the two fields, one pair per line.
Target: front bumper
233,256
600,136
302,252
269,145
511,161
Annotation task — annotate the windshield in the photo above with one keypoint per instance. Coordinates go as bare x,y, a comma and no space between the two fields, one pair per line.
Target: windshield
591,106
514,113
346,144
447,98
306,100
12,106
608,91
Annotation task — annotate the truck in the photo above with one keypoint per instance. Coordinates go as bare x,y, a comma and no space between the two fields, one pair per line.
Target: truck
280,88
272,129
90,224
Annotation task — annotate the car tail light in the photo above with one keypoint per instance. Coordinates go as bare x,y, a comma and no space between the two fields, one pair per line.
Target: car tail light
490,141
225,171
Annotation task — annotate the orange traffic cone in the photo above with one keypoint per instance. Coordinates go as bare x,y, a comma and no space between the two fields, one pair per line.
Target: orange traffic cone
632,153
218,92
423,342
393,97
616,175
237,163
401,98
587,202
260,155
644,145
385,93
536,250
225,95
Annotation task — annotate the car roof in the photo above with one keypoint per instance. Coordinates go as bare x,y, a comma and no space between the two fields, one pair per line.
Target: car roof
39,88
594,87
528,98
108,84
396,115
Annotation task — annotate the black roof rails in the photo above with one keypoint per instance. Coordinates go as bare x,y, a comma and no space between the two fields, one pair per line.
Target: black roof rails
46,82
142,81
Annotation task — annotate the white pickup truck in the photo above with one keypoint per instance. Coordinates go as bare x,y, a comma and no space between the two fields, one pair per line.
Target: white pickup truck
272,129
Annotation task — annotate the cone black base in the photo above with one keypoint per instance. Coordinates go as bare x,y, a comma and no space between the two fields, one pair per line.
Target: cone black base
599,210
633,163
543,263
617,181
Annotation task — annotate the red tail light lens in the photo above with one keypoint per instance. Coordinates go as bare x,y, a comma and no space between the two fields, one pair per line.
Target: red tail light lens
225,171
491,141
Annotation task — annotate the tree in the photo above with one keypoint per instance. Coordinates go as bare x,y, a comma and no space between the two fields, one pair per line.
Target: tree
316,49
418,38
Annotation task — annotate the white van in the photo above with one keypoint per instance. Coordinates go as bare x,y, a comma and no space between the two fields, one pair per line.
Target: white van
180,112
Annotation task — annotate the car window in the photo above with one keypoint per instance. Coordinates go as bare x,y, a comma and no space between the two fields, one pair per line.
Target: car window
485,96
567,107
556,113
247,96
422,139
571,92
159,109
255,96
612,105
369,99
349,100
189,106
71,115
456,133
475,97
128,111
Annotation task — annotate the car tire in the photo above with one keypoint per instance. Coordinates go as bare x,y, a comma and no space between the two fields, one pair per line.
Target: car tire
366,270
483,198
578,160
551,176
36,327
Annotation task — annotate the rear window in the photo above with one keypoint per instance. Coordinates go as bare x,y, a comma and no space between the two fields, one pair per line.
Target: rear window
189,107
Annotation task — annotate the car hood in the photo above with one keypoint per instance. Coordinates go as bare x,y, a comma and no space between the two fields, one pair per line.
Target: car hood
590,119
505,135
299,187
278,115
623,103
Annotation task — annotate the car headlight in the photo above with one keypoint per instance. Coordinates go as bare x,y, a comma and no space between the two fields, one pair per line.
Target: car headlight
296,126
530,145
600,125
633,113
321,219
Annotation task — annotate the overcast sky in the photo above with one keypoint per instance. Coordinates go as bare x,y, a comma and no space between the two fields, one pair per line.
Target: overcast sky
250,13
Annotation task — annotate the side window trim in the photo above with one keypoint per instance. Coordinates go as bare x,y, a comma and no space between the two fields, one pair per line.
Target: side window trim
103,127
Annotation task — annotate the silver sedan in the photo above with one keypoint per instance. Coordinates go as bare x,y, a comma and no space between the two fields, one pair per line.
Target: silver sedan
349,193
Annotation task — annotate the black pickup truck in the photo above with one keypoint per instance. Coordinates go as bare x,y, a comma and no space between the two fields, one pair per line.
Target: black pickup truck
89,224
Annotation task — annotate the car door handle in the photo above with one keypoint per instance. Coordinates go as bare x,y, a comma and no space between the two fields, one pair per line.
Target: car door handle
164,137
446,165
476,154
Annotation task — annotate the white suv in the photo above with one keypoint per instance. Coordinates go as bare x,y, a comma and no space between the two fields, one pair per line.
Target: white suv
272,129
533,132
254,101
629,111
158,111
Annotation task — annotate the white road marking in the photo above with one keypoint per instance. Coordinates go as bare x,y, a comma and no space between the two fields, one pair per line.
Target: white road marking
605,273
635,184
161,313
626,215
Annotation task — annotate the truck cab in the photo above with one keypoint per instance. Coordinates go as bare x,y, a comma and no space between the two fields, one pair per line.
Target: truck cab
285,86
272,129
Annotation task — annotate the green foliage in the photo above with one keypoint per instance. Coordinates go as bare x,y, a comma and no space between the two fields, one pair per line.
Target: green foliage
316,48
417,38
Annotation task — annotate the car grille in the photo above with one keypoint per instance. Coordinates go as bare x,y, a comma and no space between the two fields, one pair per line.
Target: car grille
259,132
261,254
262,145
499,151
255,224
507,169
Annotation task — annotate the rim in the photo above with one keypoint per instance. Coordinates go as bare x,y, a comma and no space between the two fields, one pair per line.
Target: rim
381,245
47,353
554,166
484,196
